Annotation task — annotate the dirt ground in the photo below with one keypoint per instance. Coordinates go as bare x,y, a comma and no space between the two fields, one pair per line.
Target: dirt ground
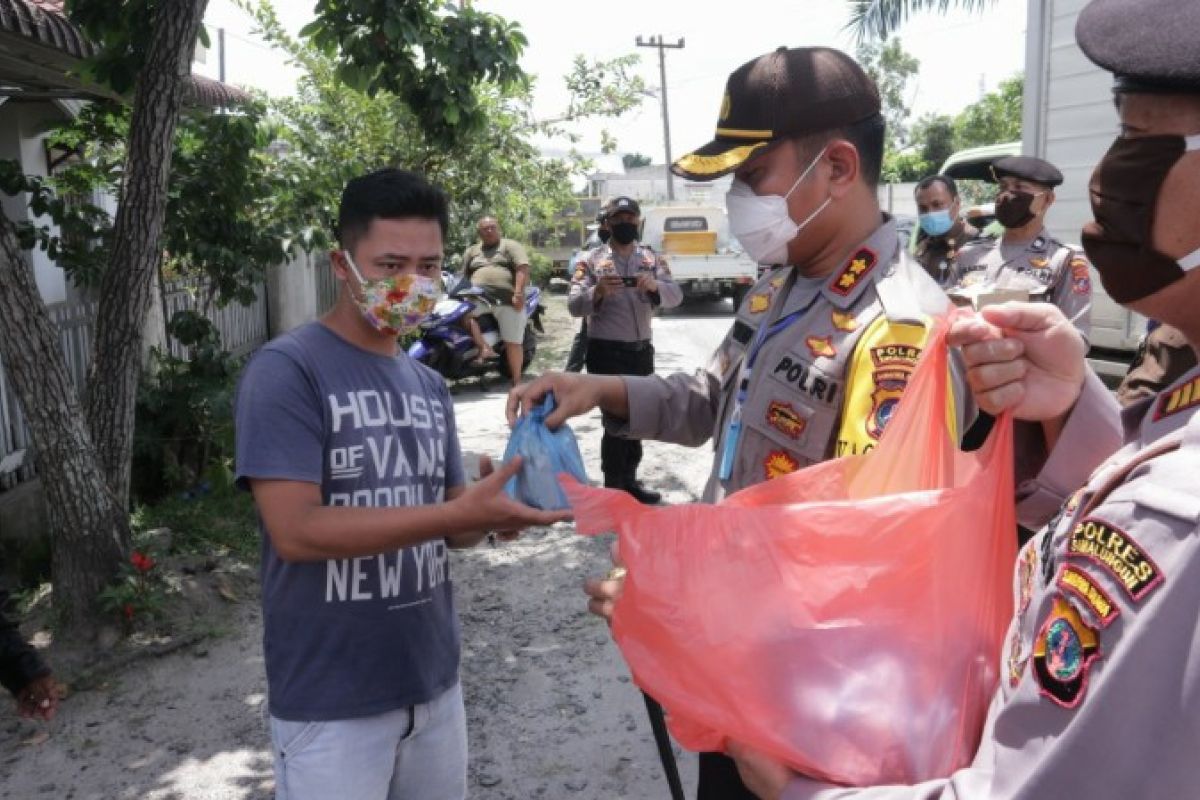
551,709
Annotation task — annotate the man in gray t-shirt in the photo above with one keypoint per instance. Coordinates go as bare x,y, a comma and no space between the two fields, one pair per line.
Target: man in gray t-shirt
350,449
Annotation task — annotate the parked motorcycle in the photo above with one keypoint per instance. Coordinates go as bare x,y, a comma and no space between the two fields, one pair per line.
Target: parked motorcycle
446,346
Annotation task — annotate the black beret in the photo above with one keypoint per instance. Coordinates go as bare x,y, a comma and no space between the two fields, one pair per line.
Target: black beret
783,94
619,204
1027,168
1149,45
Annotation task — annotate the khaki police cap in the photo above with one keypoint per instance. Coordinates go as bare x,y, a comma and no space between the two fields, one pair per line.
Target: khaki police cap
1149,45
1027,168
783,94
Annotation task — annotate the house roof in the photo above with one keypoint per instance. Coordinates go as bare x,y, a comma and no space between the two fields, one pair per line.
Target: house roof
40,49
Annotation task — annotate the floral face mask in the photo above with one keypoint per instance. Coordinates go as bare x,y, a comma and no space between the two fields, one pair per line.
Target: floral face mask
396,305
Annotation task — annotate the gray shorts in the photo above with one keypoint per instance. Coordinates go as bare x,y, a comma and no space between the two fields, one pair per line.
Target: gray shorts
415,753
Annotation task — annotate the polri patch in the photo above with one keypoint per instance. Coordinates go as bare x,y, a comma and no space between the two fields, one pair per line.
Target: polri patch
894,364
798,373
784,417
1077,582
779,463
1117,552
856,270
821,346
1181,399
1039,263
1063,653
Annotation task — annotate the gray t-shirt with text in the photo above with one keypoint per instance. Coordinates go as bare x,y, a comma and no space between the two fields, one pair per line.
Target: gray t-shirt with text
352,637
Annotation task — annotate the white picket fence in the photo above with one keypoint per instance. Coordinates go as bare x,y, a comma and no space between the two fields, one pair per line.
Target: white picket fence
242,329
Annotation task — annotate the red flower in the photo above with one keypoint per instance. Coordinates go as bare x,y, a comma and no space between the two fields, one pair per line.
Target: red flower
141,562
127,610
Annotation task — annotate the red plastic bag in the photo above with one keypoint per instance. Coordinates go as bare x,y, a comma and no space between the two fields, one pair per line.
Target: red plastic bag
847,618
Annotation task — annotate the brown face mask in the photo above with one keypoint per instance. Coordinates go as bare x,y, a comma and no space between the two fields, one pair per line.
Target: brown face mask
1124,192
1013,209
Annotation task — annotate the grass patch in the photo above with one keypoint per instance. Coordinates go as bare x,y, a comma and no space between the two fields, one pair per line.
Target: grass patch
216,523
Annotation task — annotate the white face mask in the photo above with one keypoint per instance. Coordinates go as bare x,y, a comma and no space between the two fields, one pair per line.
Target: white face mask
762,222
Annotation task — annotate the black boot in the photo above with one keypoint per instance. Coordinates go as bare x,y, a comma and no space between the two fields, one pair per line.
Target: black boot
641,493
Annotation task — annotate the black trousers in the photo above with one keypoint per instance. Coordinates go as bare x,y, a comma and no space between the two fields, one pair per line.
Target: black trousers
578,354
719,779
619,458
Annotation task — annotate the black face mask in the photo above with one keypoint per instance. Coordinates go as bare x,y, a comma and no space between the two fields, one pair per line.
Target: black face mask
624,232
1012,211
1124,193
603,235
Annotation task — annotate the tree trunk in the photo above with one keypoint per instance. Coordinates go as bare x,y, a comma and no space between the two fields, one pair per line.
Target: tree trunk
87,525
125,292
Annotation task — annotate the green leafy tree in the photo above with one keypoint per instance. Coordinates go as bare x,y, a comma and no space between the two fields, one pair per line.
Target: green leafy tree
879,19
634,160
892,68
433,55
994,119
331,132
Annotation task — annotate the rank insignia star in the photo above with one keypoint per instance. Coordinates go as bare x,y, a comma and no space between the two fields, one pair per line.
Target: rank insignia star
844,321
821,346
759,302
856,269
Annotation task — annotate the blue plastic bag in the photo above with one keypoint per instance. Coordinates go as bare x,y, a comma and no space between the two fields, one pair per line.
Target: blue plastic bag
546,453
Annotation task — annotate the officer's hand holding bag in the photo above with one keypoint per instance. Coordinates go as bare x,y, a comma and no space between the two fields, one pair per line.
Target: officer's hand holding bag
845,619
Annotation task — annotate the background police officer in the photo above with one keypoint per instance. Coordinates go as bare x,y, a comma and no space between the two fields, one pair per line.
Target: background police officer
576,358
1099,684
1027,260
617,287
943,231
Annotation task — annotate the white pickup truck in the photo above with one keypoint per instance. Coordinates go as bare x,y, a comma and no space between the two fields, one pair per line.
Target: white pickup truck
705,261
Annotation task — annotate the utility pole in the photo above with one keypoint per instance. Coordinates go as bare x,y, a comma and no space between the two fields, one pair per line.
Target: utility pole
221,54
657,41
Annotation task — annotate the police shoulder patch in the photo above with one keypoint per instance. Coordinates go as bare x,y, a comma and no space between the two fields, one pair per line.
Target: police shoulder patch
1181,399
1081,279
1073,580
1117,553
856,270
1063,653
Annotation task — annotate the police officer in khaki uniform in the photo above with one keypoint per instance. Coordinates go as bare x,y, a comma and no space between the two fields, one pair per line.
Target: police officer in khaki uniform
823,345
943,231
577,358
1099,679
617,287
1026,262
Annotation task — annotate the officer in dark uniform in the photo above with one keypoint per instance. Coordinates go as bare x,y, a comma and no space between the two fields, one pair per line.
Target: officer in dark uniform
1026,263
1099,677
578,355
943,231
617,287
